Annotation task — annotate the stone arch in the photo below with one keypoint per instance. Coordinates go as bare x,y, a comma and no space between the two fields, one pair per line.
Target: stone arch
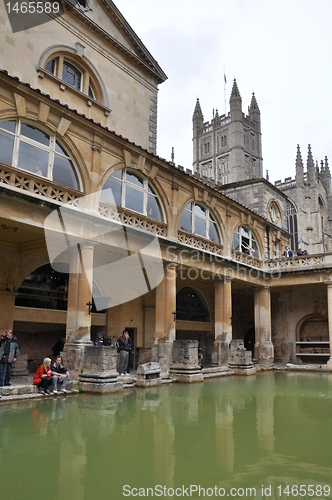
312,327
83,63
192,305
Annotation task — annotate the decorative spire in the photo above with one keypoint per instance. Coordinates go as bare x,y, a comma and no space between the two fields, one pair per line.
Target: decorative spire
299,168
327,169
235,91
253,105
235,101
310,167
198,110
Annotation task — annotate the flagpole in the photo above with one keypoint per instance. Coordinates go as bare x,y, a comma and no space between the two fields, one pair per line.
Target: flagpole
225,81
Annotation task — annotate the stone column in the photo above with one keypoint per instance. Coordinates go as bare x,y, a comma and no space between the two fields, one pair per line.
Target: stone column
223,310
170,302
79,294
264,350
160,311
329,309
223,321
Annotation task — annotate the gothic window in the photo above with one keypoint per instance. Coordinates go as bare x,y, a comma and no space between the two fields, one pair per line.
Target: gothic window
244,241
198,219
225,140
291,219
206,147
26,147
128,189
322,219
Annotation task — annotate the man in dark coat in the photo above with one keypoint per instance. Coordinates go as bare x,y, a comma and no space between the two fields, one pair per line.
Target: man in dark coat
9,352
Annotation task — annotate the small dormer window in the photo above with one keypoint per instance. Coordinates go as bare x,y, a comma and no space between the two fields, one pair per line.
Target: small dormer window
73,72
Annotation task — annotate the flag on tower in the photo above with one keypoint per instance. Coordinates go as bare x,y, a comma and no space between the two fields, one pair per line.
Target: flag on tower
225,78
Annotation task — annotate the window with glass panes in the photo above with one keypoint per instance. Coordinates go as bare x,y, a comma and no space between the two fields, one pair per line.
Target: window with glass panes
126,189
244,241
26,147
291,219
198,219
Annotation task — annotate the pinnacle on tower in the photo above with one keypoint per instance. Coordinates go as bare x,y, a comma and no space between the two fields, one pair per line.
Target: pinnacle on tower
299,168
235,102
235,91
327,169
253,105
311,174
198,110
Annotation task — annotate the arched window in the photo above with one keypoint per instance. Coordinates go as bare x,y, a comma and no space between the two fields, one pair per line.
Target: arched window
198,220
244,241
191,306
291,219
26,147
129,190
72,72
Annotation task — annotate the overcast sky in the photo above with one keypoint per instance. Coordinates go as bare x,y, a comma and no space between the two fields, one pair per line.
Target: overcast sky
279,49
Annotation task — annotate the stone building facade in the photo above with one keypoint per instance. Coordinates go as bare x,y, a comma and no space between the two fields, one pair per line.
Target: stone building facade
99,233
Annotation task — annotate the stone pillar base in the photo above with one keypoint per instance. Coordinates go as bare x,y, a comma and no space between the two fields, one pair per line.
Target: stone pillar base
148,375
187,377
185,361
220,353
73,359
99,373
266,354
240,360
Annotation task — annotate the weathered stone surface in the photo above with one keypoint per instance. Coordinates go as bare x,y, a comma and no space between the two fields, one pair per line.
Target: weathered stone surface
99,370
148,375
20,367
165,357
240,360
185,361
220,353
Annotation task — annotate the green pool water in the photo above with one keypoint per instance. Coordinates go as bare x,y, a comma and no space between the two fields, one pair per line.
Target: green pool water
269,430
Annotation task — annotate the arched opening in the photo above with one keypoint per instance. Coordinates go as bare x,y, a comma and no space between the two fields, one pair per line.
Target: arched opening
44,288
193,320
191,306
245,241
312,339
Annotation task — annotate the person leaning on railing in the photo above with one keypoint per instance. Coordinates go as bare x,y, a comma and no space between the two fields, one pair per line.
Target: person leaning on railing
287,253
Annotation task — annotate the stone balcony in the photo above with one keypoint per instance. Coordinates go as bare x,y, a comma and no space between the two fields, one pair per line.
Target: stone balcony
299,264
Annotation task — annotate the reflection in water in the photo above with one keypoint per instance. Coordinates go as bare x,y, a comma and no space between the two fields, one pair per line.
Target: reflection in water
270,429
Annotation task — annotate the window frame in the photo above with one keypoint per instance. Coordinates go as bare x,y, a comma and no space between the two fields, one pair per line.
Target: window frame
88,79
50,150
146,189
207,218
252,237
